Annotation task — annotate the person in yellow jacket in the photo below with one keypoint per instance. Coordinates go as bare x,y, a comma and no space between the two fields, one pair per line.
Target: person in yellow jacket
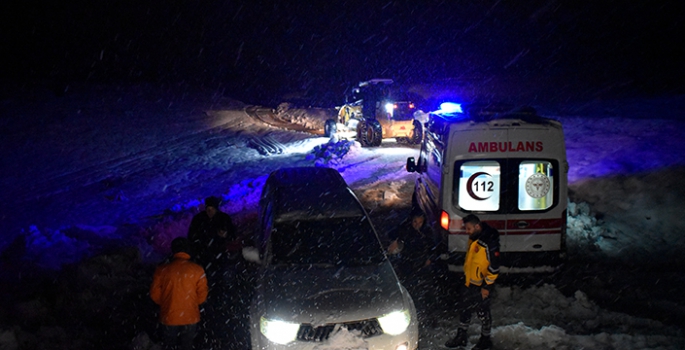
179,287
481,267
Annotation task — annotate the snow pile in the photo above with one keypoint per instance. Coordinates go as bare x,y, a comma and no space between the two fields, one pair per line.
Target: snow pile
312,118
162,233
641,215
550,320
50,249
583,230
541,318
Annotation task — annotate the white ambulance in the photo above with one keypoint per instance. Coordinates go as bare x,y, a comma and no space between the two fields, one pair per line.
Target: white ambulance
509,168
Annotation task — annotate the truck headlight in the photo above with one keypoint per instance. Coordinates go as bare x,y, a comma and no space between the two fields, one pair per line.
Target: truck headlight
396,322
389,108
279,332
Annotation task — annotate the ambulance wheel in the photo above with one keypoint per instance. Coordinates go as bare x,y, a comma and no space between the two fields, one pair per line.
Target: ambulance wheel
329,128
369,133
417,133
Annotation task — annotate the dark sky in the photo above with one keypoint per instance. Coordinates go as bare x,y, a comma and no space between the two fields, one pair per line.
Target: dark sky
267,48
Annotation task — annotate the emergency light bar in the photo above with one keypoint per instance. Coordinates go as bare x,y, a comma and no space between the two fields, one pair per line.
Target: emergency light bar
449,107
451,110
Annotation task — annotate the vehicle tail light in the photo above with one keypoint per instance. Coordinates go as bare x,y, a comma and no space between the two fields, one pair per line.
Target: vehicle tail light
445,220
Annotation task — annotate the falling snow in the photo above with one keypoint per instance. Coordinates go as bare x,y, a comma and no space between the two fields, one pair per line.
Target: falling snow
102,181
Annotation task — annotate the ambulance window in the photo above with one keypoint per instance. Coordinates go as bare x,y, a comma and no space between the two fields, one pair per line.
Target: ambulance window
479,186
433,130
536,185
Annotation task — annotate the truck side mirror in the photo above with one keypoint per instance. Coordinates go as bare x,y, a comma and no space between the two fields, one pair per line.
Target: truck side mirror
411,165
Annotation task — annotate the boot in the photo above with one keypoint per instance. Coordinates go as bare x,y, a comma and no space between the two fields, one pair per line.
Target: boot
459,340
484,343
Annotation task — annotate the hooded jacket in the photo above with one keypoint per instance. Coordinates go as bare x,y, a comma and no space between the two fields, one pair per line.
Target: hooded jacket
481,265
179,287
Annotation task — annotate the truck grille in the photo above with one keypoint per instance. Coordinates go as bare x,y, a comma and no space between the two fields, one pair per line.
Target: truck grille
368,328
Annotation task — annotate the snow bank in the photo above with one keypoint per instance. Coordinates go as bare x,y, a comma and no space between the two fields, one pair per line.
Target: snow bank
640,215
543,318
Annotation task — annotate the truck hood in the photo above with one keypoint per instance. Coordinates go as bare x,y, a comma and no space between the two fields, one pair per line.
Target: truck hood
324,295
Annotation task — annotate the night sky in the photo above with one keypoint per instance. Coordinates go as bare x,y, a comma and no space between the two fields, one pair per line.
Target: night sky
261,50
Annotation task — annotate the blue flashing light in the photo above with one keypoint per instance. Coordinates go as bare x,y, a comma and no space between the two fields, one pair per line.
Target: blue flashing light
450,107
451,110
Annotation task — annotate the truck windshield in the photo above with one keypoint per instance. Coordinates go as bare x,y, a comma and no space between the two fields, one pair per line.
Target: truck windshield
335,242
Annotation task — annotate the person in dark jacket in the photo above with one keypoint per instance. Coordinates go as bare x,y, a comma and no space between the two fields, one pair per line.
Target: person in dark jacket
212,233
414,245
179,287
481,268
414,253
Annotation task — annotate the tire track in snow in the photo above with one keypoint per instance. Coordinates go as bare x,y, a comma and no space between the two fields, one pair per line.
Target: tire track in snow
267,116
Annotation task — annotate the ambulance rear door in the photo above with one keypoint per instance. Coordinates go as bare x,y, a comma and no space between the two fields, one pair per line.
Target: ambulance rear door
478,185
536,170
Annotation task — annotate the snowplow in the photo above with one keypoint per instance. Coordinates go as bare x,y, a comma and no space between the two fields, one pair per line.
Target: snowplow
373,112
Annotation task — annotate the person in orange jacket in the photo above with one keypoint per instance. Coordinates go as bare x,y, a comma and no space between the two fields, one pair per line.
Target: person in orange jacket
481,268
179,287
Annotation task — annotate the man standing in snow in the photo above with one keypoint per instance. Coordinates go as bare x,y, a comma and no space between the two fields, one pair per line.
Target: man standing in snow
179,287
211,231
414,244
481,268
414,251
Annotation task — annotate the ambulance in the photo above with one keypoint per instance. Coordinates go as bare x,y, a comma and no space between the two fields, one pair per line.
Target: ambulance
508,167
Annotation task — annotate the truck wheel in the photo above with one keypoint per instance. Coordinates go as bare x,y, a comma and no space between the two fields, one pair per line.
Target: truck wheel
329,128
361,133
377,132
369,133
417,133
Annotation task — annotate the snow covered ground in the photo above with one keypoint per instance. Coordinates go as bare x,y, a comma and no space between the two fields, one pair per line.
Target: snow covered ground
95,184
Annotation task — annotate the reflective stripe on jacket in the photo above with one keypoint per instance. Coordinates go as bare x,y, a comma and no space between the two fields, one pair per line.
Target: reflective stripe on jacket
482,258
179,287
